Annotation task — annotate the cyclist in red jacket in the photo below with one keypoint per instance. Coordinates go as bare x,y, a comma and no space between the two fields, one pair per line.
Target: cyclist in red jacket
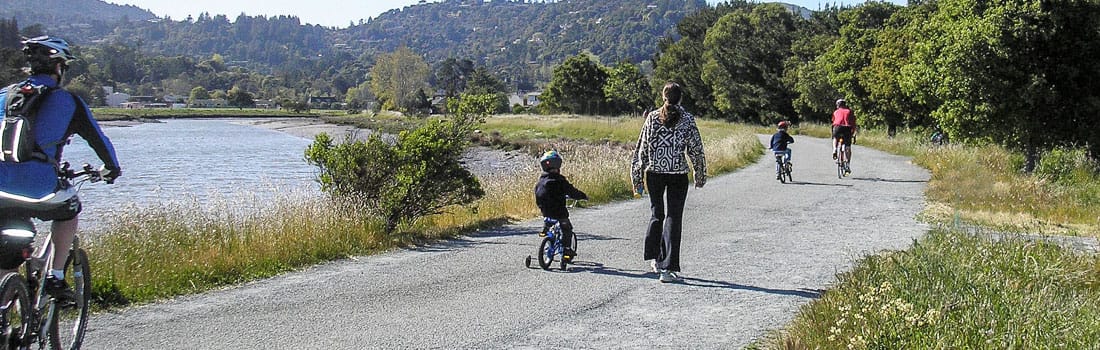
844,127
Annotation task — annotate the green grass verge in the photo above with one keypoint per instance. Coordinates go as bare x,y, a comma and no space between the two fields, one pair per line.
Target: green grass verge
983,185
957,291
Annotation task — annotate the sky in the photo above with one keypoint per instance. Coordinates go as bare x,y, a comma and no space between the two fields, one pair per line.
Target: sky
329,13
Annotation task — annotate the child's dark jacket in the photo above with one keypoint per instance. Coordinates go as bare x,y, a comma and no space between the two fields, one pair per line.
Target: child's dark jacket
550,195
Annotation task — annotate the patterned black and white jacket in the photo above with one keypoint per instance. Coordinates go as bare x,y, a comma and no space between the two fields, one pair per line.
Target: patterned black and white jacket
662,149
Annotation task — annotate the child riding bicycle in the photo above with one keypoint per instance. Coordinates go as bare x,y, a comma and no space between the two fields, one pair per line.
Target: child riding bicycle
550,194
780,141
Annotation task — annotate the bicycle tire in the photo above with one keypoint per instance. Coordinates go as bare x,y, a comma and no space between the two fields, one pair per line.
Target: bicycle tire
69,324
841,161
546,253
16,312
573,243
779,172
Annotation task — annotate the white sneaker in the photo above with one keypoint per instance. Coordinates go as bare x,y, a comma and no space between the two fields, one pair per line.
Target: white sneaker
666,277
676,276
653,263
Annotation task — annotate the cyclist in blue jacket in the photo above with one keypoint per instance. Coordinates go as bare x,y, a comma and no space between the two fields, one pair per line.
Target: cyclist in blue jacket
59,116
550,194
780,141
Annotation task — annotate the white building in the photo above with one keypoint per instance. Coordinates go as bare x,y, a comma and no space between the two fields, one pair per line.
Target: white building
116,99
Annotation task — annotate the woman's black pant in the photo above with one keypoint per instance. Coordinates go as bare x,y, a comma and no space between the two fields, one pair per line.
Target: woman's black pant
667,193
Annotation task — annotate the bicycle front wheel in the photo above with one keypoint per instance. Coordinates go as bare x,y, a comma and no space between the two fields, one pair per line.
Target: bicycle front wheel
16,313
68,323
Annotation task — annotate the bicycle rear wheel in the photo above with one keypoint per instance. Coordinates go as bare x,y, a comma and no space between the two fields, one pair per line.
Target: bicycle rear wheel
68,324
16,313
546,253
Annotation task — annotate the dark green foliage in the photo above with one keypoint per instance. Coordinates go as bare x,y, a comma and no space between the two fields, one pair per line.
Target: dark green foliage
452,74
627,89
577,86
744,54
1021,73
416,175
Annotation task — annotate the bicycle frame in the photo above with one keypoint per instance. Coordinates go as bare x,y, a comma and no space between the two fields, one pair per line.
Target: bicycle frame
43,311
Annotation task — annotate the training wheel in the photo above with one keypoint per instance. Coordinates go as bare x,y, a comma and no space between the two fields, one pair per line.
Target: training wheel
527,261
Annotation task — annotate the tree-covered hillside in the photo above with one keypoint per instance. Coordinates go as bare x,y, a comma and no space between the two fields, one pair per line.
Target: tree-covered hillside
522,40
79,20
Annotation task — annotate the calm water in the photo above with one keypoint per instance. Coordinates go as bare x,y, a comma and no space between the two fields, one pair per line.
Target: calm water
198,162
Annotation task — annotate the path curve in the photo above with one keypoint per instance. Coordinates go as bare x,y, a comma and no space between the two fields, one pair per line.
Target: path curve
754,251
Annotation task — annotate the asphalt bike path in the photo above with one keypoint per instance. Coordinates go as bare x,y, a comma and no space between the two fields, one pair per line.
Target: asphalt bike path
754,250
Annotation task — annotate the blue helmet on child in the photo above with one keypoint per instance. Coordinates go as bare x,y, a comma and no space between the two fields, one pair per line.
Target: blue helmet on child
550,160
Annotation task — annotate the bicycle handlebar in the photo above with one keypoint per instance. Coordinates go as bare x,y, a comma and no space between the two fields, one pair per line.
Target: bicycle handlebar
87,172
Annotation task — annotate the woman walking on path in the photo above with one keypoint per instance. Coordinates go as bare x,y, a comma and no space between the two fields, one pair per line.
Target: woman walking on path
668,134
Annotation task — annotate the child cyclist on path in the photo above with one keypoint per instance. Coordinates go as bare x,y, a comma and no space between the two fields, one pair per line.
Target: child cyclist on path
780,141
550,194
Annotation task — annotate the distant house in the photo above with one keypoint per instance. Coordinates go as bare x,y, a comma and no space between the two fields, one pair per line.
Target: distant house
532,98
174,98
116,99
322,99
209,103
266,104
515,99
143,99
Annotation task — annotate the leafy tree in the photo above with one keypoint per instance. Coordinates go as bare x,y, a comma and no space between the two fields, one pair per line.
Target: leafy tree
744,63
198,93
577,86
850,55
398,77
805,72
1018,73
240,98
481,82
682,61
627,89
419,174
888,101
451,75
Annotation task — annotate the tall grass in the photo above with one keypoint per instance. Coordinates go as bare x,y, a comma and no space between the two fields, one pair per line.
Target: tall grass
144,254
957,291
155,252
984,185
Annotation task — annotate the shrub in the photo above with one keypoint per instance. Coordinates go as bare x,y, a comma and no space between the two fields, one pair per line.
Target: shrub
418,175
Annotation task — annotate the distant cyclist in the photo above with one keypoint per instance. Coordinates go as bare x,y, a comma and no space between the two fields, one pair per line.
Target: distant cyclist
844,127
59,115
780,141
550,194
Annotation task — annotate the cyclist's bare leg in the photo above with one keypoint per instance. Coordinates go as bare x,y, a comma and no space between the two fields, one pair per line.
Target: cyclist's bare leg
61,234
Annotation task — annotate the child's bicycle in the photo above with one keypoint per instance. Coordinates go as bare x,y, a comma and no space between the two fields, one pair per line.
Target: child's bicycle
783,168
552,246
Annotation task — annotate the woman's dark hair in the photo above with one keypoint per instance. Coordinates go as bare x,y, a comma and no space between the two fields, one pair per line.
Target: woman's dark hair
672,94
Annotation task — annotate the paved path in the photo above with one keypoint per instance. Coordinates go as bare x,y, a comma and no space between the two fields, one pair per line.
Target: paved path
754,251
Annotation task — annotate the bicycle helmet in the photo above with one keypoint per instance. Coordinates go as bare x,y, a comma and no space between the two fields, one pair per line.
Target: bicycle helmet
550,160
44,52
841,102
784,125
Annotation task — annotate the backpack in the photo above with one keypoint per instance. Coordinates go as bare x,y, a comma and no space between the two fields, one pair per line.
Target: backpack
16,137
